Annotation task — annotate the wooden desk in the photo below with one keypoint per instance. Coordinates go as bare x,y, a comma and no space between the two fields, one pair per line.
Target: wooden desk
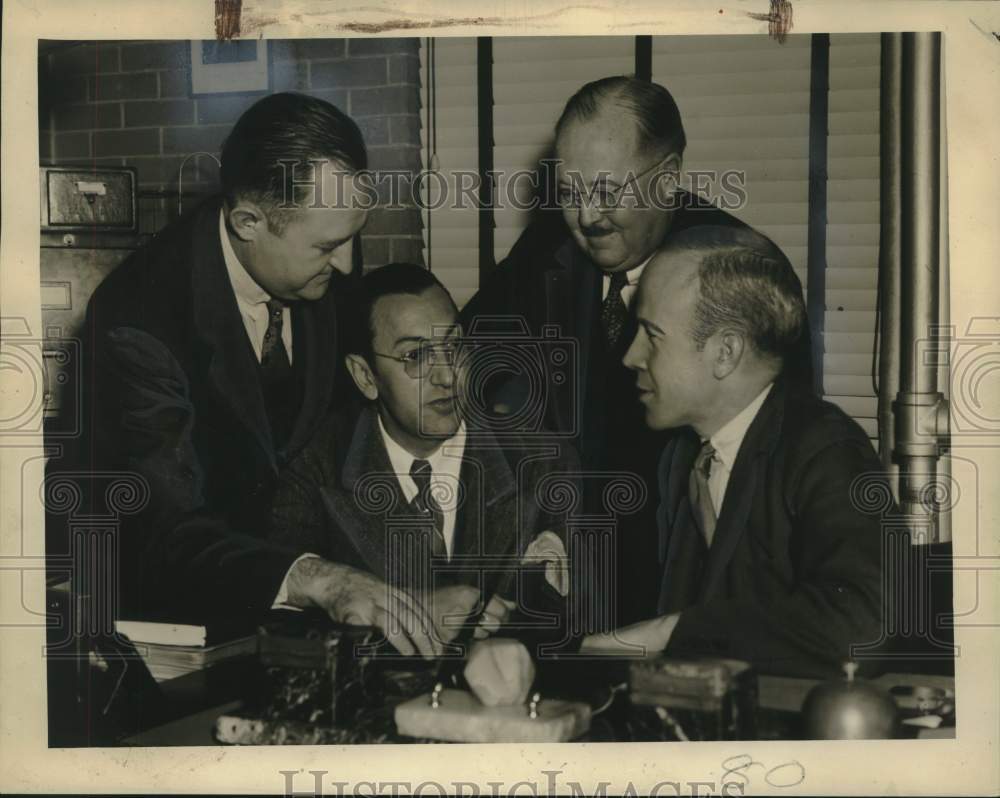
776,694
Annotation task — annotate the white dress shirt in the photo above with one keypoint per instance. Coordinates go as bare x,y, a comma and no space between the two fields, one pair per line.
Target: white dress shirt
629,289
251,298
446,465
727,442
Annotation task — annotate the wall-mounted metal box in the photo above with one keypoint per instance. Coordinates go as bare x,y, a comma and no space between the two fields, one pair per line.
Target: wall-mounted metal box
75,198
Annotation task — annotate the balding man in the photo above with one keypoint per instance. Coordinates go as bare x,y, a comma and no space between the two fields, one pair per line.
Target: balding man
619,147
764,557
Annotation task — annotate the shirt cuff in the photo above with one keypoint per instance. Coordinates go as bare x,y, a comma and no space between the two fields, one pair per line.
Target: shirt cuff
667,628
281,600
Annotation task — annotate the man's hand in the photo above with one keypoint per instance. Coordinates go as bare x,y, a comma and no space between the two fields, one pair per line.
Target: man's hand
643,639
351,596
548,548
500,672
450,608
494,616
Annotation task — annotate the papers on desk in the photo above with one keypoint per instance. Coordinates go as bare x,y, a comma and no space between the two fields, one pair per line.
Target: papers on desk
164,634
171,650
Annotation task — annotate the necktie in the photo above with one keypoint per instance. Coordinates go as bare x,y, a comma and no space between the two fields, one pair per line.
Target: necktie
276,377
614,314
426,504
274,362
699,494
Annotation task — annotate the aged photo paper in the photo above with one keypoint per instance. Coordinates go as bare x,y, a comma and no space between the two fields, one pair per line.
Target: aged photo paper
48,123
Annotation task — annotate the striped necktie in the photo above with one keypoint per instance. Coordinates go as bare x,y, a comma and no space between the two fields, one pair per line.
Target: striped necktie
426,504
701,497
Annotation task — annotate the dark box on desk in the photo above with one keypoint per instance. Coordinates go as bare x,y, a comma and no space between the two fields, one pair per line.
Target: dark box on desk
707,699
315,671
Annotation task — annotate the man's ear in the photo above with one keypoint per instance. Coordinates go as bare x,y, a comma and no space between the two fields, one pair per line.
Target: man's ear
729,346
673,164
247,220
362,375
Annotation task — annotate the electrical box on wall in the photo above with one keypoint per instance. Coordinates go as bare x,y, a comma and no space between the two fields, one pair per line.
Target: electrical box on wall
75,199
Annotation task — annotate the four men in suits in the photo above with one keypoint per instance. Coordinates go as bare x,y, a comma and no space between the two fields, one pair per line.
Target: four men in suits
763,556
415,488
213,365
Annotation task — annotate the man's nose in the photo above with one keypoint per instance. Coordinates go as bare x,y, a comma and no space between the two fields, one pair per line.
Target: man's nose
342,258
443,374
633,356
589,214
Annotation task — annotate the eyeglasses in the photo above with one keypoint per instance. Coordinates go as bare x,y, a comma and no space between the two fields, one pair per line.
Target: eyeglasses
603,199
418,362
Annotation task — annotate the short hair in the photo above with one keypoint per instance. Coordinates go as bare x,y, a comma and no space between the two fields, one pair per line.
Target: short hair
394,278
745,282
657,118
276,132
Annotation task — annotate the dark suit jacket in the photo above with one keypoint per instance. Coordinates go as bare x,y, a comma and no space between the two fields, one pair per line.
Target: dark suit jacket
793,576
173,394
340,499
548,280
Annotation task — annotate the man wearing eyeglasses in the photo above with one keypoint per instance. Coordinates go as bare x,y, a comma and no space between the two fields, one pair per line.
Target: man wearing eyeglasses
414,488
619,148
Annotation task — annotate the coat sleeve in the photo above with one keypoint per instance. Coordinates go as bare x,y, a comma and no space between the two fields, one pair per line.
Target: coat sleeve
835,599
541,597
179,558
298,515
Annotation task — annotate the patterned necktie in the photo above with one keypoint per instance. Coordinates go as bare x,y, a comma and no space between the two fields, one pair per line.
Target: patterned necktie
701,497
274,362
614,314
426,504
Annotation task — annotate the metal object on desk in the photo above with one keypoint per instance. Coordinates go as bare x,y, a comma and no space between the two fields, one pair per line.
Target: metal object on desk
706,699
849,709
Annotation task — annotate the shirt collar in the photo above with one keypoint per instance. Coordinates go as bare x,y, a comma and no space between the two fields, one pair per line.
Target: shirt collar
445,460
632,275
246,289
729,438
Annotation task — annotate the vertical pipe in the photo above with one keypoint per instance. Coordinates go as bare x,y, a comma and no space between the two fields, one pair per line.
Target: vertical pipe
944,372
889,263
918,405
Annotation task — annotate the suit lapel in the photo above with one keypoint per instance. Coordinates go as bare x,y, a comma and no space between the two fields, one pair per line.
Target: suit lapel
676,523
742,487
486,522
231,365
315,340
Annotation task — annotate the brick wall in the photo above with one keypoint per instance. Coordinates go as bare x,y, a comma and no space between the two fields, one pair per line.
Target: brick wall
130,104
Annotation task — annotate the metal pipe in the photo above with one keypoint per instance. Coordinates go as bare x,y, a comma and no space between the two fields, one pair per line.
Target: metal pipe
921,413
889,260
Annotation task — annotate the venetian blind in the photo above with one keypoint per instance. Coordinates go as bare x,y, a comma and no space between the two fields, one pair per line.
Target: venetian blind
533,77
451,232
852,232
744,101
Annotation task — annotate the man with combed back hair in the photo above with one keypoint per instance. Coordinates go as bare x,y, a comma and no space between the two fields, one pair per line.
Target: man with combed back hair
763,555
211,360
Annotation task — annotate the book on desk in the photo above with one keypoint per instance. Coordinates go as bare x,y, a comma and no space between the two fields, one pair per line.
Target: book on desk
170,650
